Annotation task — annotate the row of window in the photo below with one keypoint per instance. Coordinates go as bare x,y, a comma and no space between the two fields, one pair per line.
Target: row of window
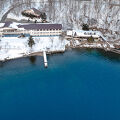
47,29
89,33
45,33
31,30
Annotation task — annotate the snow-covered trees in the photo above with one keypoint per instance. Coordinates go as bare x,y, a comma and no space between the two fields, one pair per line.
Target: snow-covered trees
103,14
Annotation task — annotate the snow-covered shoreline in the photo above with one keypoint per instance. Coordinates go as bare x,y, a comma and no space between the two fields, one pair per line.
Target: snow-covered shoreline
13,48
16,47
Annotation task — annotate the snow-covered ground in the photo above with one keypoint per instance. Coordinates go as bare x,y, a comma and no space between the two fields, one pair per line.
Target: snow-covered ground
100,14
2,24
49,44
13,47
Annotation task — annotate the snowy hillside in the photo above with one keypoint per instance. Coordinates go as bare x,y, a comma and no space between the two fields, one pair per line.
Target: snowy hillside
100,14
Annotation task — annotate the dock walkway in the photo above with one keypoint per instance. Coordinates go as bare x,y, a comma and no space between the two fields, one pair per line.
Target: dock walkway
45,59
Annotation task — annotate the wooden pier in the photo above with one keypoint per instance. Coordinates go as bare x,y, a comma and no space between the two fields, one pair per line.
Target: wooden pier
45,59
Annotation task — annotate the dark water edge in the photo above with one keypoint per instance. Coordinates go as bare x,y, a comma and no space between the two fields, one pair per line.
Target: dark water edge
111,56
80,84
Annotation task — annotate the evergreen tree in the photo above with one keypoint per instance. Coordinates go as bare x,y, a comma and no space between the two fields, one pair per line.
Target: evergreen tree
31,42
43,17
90,39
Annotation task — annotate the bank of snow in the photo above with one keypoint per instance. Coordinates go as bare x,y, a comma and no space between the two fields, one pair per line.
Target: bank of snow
49,44
13,47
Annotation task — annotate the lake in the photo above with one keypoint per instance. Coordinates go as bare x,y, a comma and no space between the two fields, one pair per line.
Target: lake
80,84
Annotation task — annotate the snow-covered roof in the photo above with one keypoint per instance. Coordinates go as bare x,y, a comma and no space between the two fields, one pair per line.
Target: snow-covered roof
31,26
41,26
7,24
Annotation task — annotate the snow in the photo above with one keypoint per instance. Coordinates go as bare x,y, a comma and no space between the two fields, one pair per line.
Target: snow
18,18
14,25
77,43
112,46
17,47
67,43
2,24
14,47
69,32
70,13
49,44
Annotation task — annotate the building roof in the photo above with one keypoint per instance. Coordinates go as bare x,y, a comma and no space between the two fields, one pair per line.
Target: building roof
7,24
41,26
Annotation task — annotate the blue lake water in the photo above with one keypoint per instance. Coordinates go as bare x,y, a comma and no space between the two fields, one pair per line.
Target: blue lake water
77,85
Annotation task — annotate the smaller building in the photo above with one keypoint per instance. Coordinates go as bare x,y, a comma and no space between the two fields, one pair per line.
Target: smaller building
82,33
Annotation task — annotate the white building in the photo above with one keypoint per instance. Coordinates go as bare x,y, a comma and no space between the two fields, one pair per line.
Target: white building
83,34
